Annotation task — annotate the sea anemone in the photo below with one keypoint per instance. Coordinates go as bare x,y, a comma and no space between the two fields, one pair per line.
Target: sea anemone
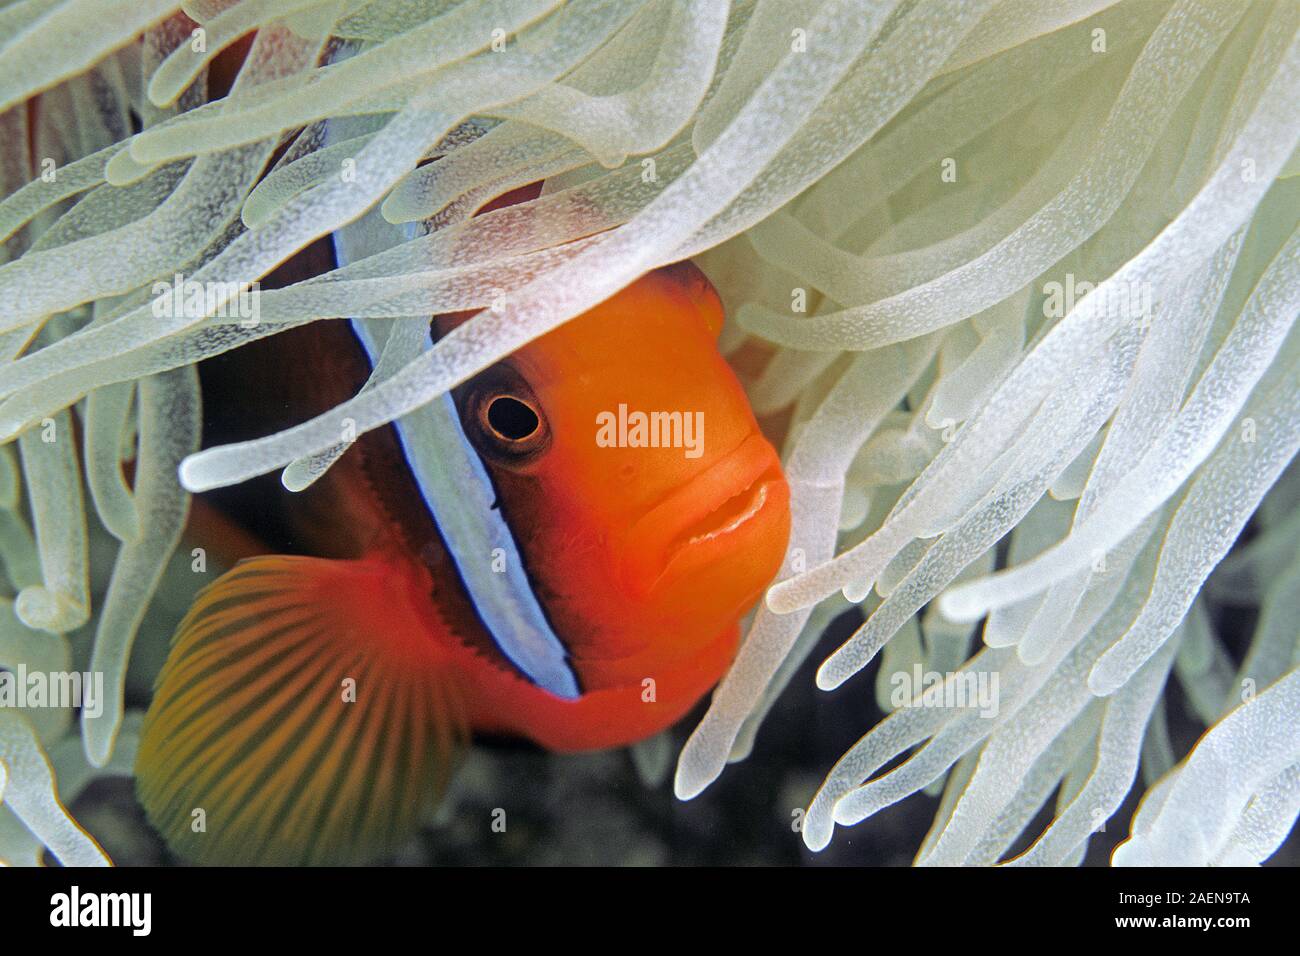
1015,280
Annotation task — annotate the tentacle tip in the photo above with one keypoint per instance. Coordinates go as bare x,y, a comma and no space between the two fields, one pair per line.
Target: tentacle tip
857,593
828,679
845,814
779,600
741,750
137,150
98,746
42,609
126,167
960,606
1131,852
162,95
816,836
688,785
293,481
190,475
98,754
1103,680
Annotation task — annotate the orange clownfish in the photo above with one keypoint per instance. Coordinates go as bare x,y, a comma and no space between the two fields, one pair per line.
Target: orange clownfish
580,587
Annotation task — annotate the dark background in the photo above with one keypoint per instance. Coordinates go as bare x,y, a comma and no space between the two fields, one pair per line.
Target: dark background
593,809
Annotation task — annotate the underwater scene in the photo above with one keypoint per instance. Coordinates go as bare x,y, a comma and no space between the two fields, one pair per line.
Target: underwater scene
655,433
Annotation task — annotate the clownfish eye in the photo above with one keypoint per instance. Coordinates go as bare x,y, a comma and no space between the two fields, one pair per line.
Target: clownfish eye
512,419
504,419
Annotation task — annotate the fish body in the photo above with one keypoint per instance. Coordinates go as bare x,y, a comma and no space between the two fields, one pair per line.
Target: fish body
314,703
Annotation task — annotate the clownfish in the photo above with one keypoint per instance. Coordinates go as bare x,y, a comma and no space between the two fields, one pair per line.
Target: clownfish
314,704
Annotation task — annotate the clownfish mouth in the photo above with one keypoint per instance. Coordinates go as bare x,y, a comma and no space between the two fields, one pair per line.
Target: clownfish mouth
726,518
714,515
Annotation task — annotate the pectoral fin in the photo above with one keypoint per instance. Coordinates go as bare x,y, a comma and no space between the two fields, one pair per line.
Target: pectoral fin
305,716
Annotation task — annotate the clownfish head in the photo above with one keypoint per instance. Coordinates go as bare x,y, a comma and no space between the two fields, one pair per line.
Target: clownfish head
650,509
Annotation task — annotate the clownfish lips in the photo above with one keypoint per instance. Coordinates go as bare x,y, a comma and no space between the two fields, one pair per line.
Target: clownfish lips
739,502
